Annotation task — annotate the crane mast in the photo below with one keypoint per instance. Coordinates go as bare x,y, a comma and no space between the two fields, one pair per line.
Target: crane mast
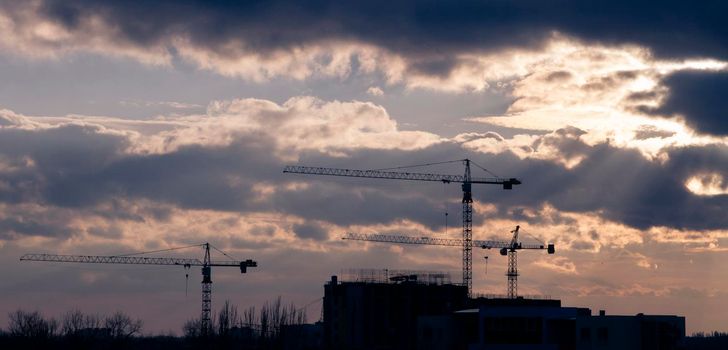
512,273
467,202
506,248
467,229
205,316
206,264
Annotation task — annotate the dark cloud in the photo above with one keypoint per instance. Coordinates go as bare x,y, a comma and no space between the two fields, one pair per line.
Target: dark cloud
558,76
700,96
423,29
107,232
649,132
87,172
25,225
310,230
625,187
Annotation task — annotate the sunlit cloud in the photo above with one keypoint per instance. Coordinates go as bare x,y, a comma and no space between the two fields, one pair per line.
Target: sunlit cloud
27,33
709,184
300,124
600,90
557,264
375,91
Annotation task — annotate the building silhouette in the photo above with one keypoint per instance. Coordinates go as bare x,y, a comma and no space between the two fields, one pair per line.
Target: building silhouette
383,309
380,310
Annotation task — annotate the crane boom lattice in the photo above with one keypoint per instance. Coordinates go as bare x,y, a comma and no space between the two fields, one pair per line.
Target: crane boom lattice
509,248
451,242
132,260
466,180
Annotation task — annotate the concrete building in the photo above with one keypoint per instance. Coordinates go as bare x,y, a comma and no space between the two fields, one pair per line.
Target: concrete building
548,327
302,336
382,312
648,332
411,311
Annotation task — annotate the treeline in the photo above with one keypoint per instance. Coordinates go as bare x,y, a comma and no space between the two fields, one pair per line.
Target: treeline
27,324
264,328
267,323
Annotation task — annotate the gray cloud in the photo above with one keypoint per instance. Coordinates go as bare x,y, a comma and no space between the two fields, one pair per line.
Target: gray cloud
84,168
648,132
420,30
627,188
25,225
700,97
310,231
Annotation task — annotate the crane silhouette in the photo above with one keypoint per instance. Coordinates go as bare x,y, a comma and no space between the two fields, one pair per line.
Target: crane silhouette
466,180
206,264
509,248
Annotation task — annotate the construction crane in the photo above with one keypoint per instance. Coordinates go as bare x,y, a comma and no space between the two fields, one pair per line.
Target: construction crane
506,248
206,263
466,180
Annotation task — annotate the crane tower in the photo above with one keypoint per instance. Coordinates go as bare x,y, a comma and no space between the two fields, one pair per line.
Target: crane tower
206,264
466,180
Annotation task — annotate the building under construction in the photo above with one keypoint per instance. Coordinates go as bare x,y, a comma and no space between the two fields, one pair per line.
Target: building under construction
378,309
385,309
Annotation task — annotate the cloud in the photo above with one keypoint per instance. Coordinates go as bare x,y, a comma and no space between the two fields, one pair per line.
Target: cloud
408,27
307,123
563,146
431,45
310,231
699,97
611,93
169,104
711,184
558,264
230,160
650,131
375,91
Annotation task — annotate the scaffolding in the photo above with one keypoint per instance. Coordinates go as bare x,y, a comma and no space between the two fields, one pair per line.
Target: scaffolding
388,276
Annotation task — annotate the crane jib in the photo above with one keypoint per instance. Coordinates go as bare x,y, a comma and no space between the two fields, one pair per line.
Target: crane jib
134,260
394,175
466,179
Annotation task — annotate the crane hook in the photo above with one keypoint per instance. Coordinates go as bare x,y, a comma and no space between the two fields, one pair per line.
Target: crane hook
187,277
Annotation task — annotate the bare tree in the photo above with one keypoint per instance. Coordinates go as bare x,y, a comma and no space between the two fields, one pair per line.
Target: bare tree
264,319
268,321
75,321
249,319
31,324
192,328
227,318
121,325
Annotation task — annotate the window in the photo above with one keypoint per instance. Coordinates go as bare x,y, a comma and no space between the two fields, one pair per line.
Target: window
585,335
603,335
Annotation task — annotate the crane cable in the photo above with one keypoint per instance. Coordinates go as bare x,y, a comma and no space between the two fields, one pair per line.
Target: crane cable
186,267
484,169
420,165
187,278
223,253
159,250
534,237
444,201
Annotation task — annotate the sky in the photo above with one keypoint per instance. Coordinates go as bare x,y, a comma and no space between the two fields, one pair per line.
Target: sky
128,127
